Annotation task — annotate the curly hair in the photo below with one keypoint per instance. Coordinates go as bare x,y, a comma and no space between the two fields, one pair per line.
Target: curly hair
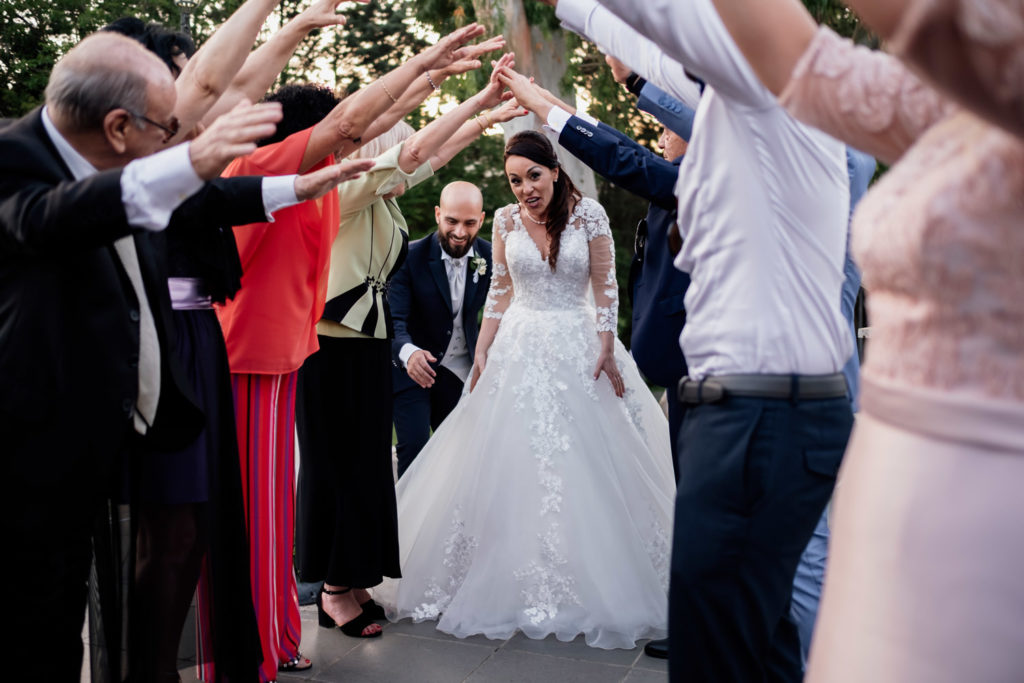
303,106
536,147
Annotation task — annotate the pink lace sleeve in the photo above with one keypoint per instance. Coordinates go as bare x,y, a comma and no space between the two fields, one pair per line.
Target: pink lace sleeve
602,265
971,49
499,296
865,98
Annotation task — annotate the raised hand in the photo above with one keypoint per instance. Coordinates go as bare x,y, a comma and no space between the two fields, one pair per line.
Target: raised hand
493,93
525,91
620,72
233,135
507,111
472,55
321,14
450,49
316,184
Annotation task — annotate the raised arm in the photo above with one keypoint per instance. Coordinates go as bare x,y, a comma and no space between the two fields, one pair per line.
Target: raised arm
210,70
341,132
689,33
970,49
264,65
617,39
428,141
472,129
421,88
499,296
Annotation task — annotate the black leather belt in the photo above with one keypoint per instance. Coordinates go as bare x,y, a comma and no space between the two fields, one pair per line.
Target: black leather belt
799,387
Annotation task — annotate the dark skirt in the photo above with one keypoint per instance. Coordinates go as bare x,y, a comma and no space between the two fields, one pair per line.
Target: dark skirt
347,532
184,476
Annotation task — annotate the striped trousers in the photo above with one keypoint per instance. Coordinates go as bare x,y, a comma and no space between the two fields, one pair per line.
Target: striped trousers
265,415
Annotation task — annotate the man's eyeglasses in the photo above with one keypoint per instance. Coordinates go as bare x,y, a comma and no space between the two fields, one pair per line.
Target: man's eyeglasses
169,130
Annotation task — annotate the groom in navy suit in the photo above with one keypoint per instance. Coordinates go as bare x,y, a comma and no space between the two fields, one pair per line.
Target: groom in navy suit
435,300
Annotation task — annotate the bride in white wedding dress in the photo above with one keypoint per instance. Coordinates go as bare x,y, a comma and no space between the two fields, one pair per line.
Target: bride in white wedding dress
543,503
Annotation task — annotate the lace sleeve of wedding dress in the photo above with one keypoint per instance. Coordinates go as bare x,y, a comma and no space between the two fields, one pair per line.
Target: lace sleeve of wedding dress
865,98
602,265
499,296
971,49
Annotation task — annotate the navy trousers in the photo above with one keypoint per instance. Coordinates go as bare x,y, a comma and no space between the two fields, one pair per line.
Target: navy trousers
754,477
418,410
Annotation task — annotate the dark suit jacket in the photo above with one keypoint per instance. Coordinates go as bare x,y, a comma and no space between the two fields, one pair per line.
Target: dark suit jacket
69,319
421,303
658,288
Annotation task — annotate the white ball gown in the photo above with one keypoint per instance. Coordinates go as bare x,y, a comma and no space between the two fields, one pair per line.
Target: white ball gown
543,503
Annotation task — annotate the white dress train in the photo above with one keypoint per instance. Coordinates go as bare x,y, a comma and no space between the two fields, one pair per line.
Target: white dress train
543,503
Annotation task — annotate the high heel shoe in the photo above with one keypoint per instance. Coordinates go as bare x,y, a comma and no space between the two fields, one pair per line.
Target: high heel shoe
352,628
373,610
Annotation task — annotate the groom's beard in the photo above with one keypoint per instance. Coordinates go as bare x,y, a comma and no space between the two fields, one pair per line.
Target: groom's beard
453,250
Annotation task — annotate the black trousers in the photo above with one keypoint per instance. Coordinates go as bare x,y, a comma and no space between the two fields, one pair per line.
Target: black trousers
347,529
754,477
418,410
57,474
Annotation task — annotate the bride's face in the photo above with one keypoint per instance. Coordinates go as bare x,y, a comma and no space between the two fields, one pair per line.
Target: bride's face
533,184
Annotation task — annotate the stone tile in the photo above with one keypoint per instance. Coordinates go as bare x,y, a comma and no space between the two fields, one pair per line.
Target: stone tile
645,676
428,629
651,663
399,658
518,666
574,649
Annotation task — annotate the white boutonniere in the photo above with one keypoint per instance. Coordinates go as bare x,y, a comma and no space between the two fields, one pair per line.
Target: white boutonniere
479,266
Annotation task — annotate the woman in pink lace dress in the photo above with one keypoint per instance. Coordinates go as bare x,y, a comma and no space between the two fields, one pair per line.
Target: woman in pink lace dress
924,581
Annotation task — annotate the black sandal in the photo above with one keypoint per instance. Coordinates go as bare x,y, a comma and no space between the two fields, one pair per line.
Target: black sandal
352,628
373,610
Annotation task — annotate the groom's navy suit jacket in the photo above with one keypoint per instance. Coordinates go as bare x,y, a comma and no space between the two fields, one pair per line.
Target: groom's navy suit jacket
657,287
421,303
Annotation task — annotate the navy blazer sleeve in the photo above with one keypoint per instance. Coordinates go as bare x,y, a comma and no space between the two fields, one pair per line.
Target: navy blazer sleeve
621,160
672,113
400,300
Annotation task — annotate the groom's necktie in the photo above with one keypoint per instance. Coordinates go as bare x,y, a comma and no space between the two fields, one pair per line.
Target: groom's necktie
457,282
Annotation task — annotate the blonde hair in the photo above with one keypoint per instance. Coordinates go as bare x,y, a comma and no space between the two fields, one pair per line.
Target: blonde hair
383,142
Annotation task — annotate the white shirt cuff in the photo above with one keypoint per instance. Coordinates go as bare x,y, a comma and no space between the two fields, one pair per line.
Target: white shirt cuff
278,193
557,118
406,352
153,187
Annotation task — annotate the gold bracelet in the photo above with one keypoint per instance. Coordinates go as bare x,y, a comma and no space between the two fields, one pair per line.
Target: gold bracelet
385,86
487,117
483,128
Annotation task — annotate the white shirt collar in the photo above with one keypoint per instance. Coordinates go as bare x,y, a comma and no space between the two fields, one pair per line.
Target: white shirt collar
79,165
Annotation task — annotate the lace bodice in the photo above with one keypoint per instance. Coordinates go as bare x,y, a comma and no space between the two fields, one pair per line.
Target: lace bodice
941,237
586,255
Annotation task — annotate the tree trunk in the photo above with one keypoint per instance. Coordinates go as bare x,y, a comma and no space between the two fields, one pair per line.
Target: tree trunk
545,57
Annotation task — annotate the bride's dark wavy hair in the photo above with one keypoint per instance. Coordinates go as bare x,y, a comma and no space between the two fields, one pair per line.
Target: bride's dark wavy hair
535,147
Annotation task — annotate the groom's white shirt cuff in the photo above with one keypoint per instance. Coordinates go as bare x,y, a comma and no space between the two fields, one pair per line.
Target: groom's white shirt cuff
406,352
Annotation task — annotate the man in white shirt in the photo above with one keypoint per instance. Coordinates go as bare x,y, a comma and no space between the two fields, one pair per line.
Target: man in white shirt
763,203
85,343
435,301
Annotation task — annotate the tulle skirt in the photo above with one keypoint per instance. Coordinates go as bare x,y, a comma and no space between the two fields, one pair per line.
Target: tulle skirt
543,504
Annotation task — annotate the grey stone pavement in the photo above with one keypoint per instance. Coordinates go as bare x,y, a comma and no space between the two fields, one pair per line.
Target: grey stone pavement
419,653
